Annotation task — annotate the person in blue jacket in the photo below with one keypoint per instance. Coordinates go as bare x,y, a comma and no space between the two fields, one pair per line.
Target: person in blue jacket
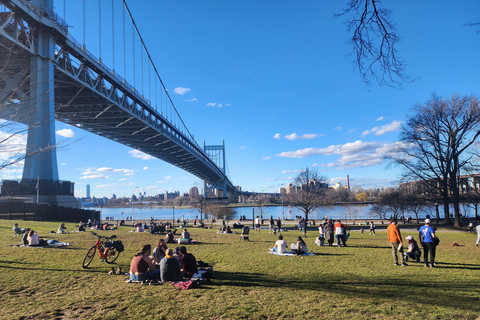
427,236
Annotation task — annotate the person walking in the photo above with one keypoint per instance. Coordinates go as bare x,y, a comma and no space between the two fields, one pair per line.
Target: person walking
395,239
426,235
372,228
257,225
279,225
478,233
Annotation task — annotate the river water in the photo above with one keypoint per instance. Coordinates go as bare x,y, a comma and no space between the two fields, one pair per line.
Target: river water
343,212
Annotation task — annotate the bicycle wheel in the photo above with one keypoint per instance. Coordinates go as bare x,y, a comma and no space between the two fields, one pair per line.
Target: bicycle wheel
111,255
89,256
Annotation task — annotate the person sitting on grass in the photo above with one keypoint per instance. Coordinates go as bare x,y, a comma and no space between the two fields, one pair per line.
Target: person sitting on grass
17,229
81,227
159,251
34,241
301,246
186,235
170,268
142,266
188,263
169,237
25,237
280,245
62,229
413,251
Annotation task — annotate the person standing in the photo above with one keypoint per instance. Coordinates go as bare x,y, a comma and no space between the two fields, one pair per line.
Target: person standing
279,225
478,233
426,235
322,234
329,232
257,225
340,230
270,225
395,239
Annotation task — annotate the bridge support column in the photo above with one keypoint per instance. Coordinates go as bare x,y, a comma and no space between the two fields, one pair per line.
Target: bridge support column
41,132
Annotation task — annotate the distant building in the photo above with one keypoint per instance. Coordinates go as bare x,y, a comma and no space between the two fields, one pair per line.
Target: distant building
193,192
88,191
282,190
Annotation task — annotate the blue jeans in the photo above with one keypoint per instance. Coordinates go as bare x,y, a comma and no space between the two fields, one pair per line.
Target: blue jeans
145,276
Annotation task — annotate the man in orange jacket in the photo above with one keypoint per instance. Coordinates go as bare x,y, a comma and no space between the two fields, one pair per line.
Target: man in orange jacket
395,239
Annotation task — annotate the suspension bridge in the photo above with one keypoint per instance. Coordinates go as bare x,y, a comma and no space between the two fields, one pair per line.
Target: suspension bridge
46,75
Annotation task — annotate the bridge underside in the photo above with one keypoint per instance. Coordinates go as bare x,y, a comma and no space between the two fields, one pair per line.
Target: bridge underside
89,96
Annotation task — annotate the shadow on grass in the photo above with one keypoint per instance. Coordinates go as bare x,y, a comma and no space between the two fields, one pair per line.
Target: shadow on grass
56,269
435,293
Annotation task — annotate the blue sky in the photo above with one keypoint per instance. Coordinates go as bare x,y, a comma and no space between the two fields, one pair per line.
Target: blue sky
273,79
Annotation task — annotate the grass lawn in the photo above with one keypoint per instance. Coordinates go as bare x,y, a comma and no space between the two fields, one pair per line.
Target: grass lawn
356,282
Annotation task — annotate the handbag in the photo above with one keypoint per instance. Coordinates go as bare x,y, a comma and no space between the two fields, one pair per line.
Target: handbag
436,241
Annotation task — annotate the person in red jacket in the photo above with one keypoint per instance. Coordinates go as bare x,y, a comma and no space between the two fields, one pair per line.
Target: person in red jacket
395,239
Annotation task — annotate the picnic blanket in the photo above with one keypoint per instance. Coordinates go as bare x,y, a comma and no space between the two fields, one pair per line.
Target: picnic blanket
53,245
289,253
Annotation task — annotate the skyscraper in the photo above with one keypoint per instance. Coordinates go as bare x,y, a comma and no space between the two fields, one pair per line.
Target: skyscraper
88,191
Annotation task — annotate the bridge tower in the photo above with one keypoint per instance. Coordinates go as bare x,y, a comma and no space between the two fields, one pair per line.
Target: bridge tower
36,109
217,154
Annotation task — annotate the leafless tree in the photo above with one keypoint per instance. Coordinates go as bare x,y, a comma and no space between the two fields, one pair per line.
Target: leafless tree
374,40
311,190
220,211
436,143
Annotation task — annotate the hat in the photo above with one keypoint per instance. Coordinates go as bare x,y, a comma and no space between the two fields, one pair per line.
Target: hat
409,238
427,221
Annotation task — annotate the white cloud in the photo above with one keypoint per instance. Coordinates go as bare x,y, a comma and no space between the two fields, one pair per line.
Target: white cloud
267,158
218,105
103,186
168,178
67,133
352,154
93,175
127,172
306,136
338,128
243,147
192,100
145,168
379,118
276,136
378,131
141,155
181,90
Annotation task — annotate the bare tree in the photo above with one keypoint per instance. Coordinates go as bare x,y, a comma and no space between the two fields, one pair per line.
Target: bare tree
311,189
436,143
374,41
415,203
379,211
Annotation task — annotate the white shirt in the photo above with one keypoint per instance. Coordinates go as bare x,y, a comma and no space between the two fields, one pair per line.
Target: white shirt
33,240
281,246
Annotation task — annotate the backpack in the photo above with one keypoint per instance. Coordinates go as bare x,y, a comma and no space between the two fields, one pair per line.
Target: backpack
118,245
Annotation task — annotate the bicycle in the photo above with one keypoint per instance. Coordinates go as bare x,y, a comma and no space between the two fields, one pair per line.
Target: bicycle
109,250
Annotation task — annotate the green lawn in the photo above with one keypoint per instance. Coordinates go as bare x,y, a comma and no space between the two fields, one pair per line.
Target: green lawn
356,282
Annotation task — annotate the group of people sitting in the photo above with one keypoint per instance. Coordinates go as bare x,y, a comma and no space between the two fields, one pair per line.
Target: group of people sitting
281,246
30,237
163,263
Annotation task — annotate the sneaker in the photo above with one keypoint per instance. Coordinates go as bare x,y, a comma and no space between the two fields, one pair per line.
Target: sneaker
112,271
396,264
433,266
119,271
426,265
404,264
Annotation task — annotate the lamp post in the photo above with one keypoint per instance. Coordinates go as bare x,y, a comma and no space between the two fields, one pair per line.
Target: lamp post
173,220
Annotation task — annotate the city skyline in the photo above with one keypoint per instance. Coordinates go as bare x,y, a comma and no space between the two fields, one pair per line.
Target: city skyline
275,82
